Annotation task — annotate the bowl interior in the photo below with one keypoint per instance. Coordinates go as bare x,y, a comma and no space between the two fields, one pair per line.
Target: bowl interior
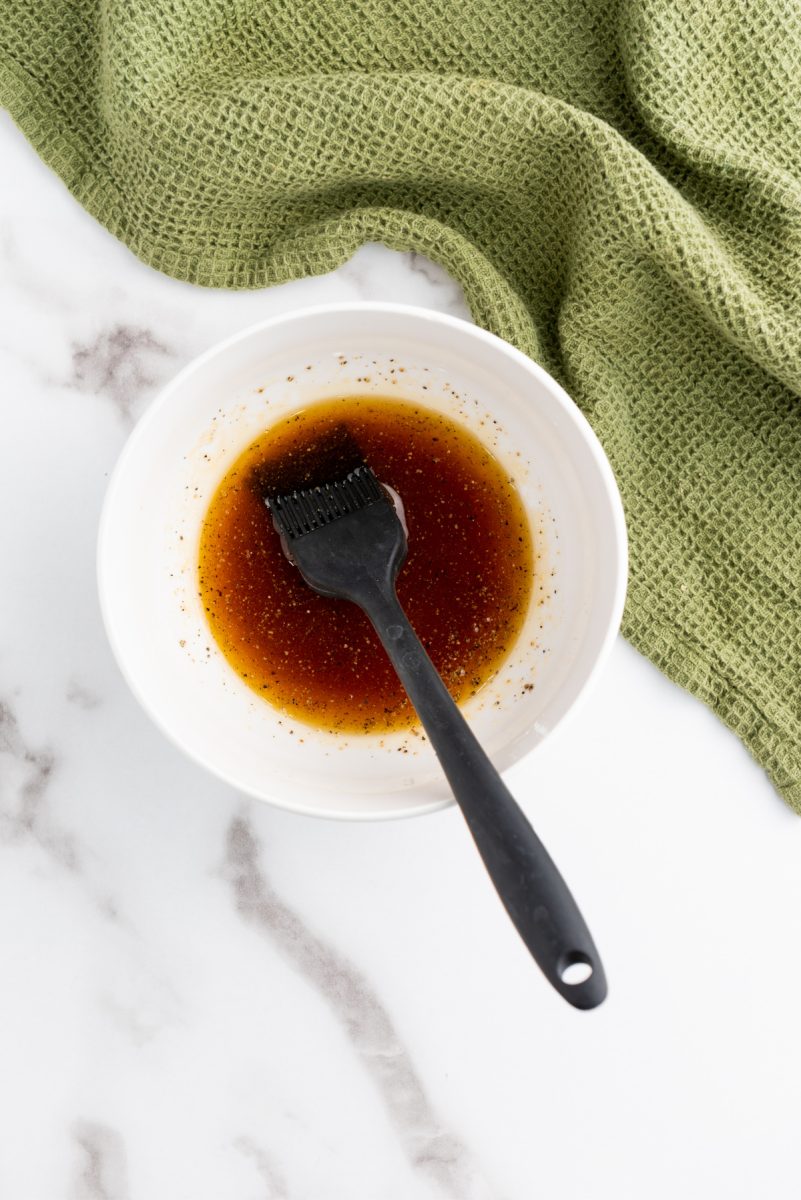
183,446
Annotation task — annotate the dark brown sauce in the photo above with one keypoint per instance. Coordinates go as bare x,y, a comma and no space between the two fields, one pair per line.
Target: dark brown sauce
465,585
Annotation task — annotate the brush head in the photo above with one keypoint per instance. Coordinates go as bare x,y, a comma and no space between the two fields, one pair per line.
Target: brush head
301,512
347,538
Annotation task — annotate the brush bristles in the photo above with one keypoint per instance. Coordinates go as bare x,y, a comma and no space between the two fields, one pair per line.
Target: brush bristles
303,512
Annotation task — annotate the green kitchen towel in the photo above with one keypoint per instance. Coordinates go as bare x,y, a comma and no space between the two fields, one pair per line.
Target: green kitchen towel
615,183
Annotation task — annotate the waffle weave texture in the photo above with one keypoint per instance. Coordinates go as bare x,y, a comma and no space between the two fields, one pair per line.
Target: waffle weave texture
614,184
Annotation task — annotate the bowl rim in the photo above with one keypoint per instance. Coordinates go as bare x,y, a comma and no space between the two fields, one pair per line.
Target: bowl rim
496,344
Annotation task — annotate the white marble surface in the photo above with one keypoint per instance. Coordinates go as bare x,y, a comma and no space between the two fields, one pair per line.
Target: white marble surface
205,998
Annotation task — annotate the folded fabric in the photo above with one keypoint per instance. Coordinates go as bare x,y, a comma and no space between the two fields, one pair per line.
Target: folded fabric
614,184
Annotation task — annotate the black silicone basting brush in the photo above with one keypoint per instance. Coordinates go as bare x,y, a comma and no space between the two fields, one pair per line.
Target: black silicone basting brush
347,541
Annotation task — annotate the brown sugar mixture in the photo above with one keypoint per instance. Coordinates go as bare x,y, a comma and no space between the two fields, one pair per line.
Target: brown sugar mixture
465,585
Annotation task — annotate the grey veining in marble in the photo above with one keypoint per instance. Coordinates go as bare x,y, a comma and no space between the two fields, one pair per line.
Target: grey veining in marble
275,1185
28,771
429,1146
102,1169
123,362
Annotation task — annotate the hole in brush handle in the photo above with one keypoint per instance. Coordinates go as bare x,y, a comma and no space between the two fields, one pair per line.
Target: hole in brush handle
575,968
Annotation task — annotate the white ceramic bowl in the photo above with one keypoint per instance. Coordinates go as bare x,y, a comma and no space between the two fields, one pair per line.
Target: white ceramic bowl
185,442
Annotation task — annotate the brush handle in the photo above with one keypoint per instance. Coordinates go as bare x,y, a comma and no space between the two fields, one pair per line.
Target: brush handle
525,877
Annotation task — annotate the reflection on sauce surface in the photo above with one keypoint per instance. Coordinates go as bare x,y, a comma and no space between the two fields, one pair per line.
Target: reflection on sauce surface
465,585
